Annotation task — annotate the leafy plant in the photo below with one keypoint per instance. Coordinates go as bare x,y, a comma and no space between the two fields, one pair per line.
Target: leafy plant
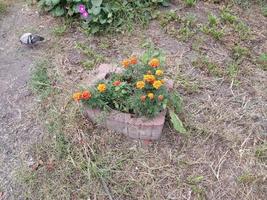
262,60
227,16
3,7
100,15
264,10
212,28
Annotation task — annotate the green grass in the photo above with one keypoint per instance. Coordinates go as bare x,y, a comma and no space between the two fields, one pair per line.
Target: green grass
262,60
240,52
211,68
243,30
3,7
227,16
190,2
40,81
232,70
60,30
93,58
264,10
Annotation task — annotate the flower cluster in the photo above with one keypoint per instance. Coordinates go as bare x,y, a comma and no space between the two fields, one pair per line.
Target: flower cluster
139,89
82,10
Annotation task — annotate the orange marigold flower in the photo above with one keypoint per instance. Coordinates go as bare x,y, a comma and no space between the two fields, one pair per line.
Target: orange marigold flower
154,62
150,95
125,63
162,81
149,78
133,60
77,96
86,95
159,72
101,87
116,83
160,97
157,84
143,98
140,84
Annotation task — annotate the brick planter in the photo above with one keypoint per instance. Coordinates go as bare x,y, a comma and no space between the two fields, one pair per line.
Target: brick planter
135,128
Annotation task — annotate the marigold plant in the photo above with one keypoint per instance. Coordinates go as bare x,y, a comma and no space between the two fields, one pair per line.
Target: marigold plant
140,89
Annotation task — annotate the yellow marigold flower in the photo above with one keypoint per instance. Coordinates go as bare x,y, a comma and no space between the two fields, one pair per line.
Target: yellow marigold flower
159,72
101,87
125,63
140,84
149,78
133,60
157,84
162,81
150,95
77,96
154,62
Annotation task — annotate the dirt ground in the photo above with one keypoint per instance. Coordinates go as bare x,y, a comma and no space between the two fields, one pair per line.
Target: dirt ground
224,155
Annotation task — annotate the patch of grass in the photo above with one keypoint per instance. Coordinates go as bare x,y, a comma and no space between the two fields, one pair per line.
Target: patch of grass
264,10
40,81
3,7
261,153
188,85
246,178
212,68
190,2
262,60
227,16
232,70
243,30
212,28
167,17
94,58
60,30
240,52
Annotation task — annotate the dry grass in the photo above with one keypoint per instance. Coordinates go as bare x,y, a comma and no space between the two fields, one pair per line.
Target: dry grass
224,157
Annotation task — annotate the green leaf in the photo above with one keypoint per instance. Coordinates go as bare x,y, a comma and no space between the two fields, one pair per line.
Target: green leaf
58,11
96,10
177,123
97,2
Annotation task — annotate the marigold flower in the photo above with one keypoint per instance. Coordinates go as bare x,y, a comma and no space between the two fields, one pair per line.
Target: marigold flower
159,72
150,95
77,96
125,63
157,84
133,60
149,78
116,83
143,98
140,84
160,97
154,62
86,95
162,81
101,87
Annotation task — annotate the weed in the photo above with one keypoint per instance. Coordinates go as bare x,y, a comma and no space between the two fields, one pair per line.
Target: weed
204,64
168,17
40,81
243,30
261,152
93,57
264,10
212,28
190,2
60,30
240,52
246,178
227,16
232,70
213,20
262,60
3,7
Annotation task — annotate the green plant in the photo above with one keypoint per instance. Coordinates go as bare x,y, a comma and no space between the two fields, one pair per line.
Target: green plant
243,30
262,60
240,52
190,2
212,68
212,28
101,15
3,7
264,10
232,70
213,20
59,30
227,16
